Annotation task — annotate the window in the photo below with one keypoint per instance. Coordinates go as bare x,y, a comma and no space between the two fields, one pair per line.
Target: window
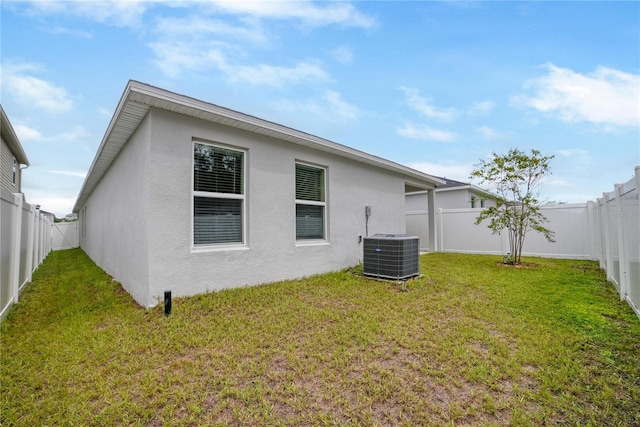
310,202
473,201
218,195
14,174
482,203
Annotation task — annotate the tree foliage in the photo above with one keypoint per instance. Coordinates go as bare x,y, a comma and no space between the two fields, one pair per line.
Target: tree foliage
515,178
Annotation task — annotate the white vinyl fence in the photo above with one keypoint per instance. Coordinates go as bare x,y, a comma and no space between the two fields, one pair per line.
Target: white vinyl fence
607,230
572,224
25,237
64,235
618,238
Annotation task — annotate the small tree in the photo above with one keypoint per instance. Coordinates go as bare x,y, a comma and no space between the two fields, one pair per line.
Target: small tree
516,179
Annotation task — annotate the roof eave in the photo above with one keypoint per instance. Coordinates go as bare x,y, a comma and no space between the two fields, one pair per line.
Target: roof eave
140,98
11,138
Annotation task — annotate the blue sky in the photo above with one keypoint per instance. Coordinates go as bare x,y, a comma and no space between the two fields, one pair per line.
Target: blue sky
435,85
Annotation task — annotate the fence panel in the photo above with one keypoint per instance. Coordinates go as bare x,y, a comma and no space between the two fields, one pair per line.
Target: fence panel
26,245
613,256
573,235
8,207
618,231
64,235
25,237
574,238
457,232
418,225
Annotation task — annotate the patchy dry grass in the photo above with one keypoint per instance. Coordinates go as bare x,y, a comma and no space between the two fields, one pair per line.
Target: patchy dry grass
470,343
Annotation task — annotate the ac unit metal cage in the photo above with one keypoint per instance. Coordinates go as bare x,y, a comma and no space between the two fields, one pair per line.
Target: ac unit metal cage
391,256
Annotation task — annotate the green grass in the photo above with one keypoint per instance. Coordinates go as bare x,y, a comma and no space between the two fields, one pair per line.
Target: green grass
470,343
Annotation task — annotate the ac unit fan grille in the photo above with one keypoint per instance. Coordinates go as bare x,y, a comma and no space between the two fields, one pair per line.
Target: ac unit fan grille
391,256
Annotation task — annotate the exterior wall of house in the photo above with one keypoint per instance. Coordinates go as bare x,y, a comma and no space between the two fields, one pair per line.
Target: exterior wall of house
417,210
271,252
6,170
114,219
454,199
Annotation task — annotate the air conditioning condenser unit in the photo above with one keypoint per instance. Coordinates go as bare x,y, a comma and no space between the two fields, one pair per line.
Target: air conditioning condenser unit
391,256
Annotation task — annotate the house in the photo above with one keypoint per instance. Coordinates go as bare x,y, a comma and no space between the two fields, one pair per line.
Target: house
188,196
457,195
12,156
451,194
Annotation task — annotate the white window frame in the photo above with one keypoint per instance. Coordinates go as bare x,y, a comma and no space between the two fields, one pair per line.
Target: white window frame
14,173
206,194
324,204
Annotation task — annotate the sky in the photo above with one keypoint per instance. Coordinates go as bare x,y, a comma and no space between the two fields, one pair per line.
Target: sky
434,85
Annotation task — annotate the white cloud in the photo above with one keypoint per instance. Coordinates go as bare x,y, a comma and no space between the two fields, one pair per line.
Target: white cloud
489,133
425,133
331,107
576,154
130,12
122,13
60,30
339,107
33,91
451,170
425,108
604,97
76,174
74,135
481,108
59,206
176,57
25,133
556,182
340,13
270,75
203,28
173,58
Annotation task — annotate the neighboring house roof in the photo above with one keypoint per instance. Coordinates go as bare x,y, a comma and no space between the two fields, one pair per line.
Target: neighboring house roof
10,137
451,184
138,98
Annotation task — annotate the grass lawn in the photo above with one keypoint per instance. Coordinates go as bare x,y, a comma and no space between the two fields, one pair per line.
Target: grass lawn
470,343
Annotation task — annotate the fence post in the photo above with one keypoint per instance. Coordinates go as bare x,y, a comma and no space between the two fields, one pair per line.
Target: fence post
593,230
14,276
439,234
622,253
36,237
30,237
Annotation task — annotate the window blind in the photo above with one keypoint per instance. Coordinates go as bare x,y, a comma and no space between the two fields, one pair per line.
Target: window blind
217,218
309,222
309,183
310,200
217,170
